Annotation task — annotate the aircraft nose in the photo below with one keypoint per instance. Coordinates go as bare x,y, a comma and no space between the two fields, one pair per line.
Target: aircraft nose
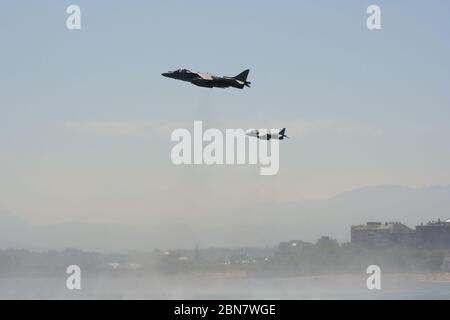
165,74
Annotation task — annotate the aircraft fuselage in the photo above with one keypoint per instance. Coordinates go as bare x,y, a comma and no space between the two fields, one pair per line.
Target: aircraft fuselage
206,80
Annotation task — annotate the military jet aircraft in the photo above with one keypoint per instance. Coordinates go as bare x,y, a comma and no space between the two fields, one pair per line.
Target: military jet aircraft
280,135
208,80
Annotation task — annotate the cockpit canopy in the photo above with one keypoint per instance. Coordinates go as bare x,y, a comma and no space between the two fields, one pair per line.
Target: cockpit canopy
182,71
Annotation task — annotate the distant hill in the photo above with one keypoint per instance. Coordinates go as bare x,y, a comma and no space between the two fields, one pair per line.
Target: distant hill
256,226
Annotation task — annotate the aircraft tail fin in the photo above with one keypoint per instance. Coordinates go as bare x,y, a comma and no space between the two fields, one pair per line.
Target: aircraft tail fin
282,134
243,77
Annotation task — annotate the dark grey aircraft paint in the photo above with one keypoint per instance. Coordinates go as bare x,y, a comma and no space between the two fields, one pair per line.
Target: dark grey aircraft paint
207,80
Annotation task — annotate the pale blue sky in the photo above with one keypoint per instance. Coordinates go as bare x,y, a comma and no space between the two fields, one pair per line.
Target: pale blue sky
85,117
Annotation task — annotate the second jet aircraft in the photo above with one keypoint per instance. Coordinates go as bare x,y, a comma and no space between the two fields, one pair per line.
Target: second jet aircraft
208,80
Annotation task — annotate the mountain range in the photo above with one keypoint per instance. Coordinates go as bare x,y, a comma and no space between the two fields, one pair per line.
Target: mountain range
266,225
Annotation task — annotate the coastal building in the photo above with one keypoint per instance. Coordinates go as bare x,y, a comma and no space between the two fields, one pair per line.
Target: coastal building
433,235
378,235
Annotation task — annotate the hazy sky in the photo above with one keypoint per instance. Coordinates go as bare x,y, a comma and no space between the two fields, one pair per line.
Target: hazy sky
85,116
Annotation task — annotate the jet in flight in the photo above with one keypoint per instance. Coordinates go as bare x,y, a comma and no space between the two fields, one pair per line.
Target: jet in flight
280,135
208,80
